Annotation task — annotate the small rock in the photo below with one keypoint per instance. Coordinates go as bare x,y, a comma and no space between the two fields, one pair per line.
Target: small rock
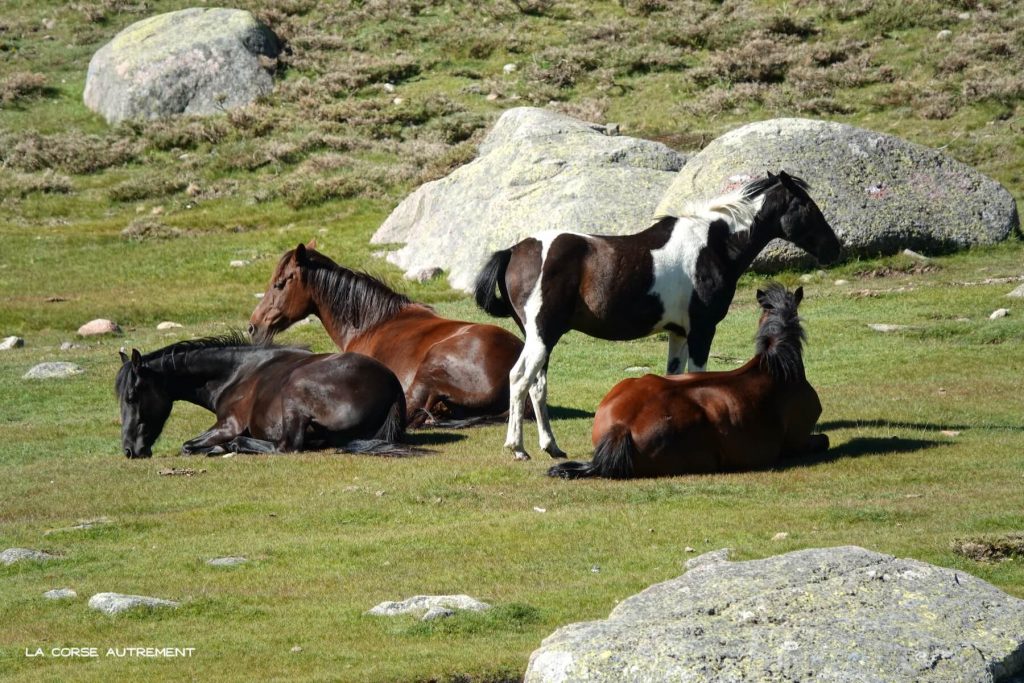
388,87
944,34
11,343
1017,293
884,327
999,313
596,569
612,129
491,97
538,509
688,549
949,432
227,561
397,101
425,603
437,613
99,326
423,274
12,555
68,346
840,283
296,648
510,68
259,295
637,368
168,325
115,603
60,594
913,254
239,263
53,371
781,536
807,277
308,320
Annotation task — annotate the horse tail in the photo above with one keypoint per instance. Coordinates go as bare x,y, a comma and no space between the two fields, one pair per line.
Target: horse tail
613,458
378,447
393,428
490,279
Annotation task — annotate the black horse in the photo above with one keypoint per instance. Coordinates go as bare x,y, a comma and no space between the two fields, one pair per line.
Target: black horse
268,399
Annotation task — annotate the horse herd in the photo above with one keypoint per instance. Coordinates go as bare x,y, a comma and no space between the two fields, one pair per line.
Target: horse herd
403,366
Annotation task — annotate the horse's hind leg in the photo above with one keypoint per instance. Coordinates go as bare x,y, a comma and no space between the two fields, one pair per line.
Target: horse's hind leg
676,353
517,397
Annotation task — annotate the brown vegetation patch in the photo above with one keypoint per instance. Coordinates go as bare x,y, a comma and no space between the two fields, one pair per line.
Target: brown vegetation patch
20,86
896,270
151,228
991,548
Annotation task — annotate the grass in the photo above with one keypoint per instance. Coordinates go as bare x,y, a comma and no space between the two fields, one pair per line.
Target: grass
924,422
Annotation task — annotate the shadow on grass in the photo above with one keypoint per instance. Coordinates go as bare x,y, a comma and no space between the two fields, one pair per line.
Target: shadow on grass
566,413
424,438
858,446
897,424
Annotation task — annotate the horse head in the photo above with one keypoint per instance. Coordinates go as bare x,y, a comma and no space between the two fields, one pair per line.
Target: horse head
780,335
801,221
287,299
145,406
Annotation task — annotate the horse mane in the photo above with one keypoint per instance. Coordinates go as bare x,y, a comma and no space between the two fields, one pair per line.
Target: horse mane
739,205
780,337
355,298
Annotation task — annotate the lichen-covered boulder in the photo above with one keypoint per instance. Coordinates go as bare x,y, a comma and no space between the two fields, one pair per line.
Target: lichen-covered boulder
194,61
825,614
536,170
881,194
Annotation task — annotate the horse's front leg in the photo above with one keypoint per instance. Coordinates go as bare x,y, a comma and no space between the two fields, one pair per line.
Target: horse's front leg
676,354
517,389
699,346
247,444
539,396
209,441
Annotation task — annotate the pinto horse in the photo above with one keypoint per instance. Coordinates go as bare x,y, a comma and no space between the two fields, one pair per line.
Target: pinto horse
267,399
748,418
678,276
448,368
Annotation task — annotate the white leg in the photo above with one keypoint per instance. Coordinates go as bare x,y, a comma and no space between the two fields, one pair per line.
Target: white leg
693,367
676,354
539,396
516,400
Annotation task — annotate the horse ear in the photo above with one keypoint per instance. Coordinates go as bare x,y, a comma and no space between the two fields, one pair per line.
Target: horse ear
136,359
798,295
771,176
763,301
300,254
311,244
124,356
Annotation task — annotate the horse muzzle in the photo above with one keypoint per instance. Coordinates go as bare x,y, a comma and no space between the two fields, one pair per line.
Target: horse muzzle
141,452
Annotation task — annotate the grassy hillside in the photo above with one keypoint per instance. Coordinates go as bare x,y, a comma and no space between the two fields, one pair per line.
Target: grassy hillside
139,222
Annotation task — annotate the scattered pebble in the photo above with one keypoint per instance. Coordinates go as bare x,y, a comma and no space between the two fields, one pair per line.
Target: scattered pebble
56,370
596,569
11,343
807,277
388,87
781,536
510,68
688,549
168,325
537,509
115,603
999,313
12,555
239,263
227,561
398,101
68,346
296,648
884,327
60,594
99,326
491,97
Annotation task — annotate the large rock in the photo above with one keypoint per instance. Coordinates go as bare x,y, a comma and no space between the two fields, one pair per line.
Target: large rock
880,193
115,603
15,555
54,370
194,61
536,170
835,614
424,604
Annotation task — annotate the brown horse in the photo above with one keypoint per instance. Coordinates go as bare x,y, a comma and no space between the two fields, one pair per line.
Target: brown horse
448,368
267,399
678,276
748,418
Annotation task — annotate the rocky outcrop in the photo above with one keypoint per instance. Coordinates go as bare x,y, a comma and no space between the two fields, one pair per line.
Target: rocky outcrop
834,614
536,170
115,603
194,61
881,194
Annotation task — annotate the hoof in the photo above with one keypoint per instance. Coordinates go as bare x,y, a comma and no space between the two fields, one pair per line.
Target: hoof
555,452
518,454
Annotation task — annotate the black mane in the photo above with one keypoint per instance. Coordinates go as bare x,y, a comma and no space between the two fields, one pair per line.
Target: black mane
355,298
780,337
758,187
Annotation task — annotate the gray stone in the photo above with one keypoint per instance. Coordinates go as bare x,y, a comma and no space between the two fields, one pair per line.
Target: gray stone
115,603
194,61
99,326
438,613
880,193
423,274
13,555
68,346
886,327
999,313
226,561
1018,293
423,604
83,524
11,343
60,594
536,170
168,325
54,370
834,614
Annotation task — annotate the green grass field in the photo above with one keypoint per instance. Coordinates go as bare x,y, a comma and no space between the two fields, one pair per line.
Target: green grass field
925,423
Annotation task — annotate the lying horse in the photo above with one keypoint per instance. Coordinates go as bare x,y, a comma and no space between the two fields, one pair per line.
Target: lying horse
448,368
267,399
679,276
748,418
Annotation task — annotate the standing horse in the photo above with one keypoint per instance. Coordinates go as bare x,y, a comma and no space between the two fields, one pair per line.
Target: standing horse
679,275
748,418
267,399
447,367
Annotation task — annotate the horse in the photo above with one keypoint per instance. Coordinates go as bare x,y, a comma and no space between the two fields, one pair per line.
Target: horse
267,399
448,368
747,418
678,276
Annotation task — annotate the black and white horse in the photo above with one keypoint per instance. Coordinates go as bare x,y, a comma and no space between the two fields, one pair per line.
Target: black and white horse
677,276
